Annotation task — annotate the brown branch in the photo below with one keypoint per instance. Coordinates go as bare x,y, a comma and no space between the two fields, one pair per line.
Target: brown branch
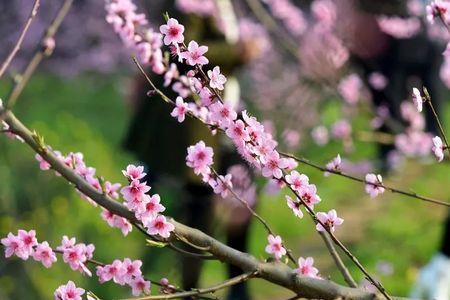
196,292
41,53
275,272
16,48
354,178
338,261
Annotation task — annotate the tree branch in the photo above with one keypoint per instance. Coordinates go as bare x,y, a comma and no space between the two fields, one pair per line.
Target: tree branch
275,272
42,52
196,292
16,48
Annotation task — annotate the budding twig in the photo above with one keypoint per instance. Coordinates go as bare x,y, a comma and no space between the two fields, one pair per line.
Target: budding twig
16,48
436,117
41,53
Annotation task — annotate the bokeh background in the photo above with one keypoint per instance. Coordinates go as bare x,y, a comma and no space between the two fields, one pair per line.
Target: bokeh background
78,102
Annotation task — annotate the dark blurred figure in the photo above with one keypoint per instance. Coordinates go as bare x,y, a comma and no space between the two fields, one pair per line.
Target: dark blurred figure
160,142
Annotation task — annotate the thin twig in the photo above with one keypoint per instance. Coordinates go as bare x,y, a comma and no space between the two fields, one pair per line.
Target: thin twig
41,53
354,178
338,261
316,220
436,117
16,48
227,283
254,213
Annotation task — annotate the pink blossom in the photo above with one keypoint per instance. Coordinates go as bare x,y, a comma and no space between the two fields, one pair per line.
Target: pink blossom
291,137
217,80
438,148
334,165
305,267
170,74
116,221
223,184
200,157
43,164
275,246
14,245
342,130
222,114
295,206
66,243
44,253
350,88
417,99
111,189
237,131
377,81
437,9
139,285
160,226
309,195
272,165
68,292
114,271
29,239
297,180
150,209
134,173
173,32
135,190
180,110
401,28
373,183
320,135
131,269
194,54
329,219
324,11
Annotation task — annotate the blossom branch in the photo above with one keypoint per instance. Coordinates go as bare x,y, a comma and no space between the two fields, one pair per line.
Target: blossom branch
16,48
196,292
330,230
45,50
354,178
274,272
310,211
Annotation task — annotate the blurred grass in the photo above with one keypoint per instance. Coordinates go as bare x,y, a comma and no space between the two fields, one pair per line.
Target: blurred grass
88,114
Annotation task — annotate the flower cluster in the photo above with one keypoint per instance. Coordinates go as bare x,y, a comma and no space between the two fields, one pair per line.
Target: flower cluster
146,208
125,272
76,162
76,255
25,245
130,26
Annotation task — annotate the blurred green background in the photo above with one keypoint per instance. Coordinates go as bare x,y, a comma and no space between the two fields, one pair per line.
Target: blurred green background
89,114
